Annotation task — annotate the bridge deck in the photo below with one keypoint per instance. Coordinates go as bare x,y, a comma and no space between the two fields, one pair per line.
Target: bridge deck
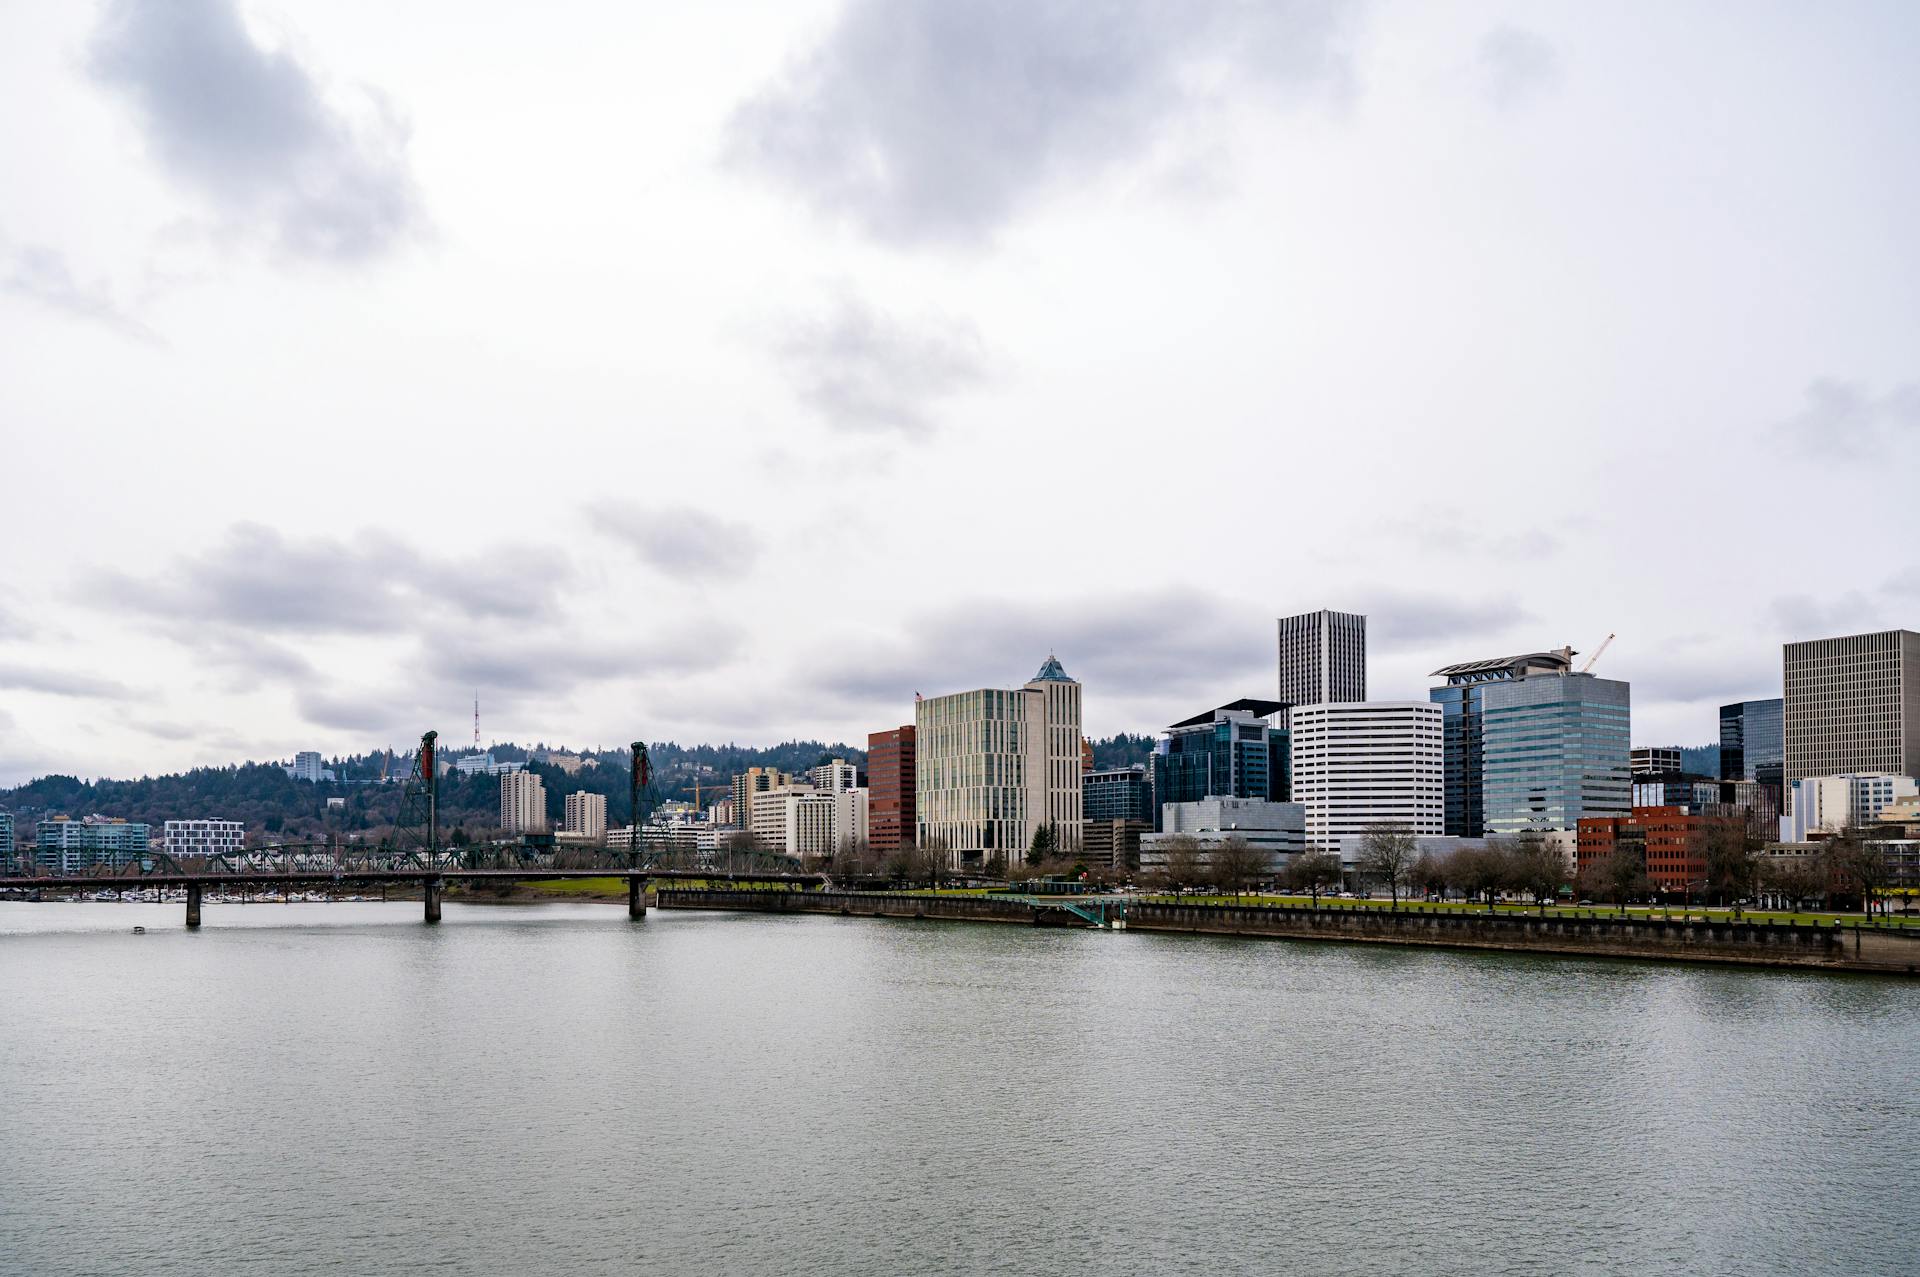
308,877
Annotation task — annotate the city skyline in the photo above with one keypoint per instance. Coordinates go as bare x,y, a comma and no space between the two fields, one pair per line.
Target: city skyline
308,384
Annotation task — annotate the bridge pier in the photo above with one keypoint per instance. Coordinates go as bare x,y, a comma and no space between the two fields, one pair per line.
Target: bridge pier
636,896
193,905
430,889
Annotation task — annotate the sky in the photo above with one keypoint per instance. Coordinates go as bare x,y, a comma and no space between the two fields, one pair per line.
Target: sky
735,371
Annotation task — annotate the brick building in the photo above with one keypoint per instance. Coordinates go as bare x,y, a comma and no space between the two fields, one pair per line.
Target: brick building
1673,840
890,789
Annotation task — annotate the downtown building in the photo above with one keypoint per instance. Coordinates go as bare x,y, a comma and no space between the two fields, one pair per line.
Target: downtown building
1833,804
1117,807
1278,831
800,819
890,789
1851,706
1753,743
585,816
523,803
1364,763
1654,760
7,845
1234,751
1323,657
1531,745
993,767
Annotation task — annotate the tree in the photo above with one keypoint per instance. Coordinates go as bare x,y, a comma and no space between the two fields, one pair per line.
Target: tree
933,860
1732,859
1045,845
1236,864
1429,875
1387,854
1798,878
1183,865
996,864
1478,873
1314,872
1859,864
1534,865
1625,872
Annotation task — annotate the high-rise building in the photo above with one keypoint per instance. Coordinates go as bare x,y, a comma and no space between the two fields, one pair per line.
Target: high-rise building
1851,705
993,767
1234,751
69,846
1462,702
523,803
890,806
800,820
307,766
1362,763
1323,657
1553,750
1752,742
1654,760
6,841
197,838
754,780
585,814
834,776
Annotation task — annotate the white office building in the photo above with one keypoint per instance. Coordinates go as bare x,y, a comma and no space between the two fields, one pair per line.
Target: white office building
586,815
523,803
1361,763
1851,706
307,766
182,838
1829,804
801,820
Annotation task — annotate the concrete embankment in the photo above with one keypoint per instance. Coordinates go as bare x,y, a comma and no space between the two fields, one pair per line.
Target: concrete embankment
1738,943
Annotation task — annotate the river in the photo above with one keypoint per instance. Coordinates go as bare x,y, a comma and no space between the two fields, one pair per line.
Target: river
338,1088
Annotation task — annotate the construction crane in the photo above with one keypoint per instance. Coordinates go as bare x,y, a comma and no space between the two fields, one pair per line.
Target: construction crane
1596,654
695,787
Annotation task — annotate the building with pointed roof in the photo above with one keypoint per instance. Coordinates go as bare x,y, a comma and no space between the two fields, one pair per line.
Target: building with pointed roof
993,767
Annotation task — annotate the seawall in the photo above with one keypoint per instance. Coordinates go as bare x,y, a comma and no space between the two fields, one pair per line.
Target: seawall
1728,942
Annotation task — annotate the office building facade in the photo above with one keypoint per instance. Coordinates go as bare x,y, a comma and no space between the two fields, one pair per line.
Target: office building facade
1462,703
890,796
1654,760
1118,793
1364,763
70,846
1323,657
1553,751
992,767
585,815
1234,751
1831,804
1851,705
1277,830
1753,742
200,838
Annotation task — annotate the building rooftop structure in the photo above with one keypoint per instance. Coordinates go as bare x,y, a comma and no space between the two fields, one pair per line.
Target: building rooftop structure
1051,671
1245,705
1558,661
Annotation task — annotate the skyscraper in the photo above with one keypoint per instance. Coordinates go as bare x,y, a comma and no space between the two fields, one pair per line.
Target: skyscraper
1323,657
1851,705
992,767
1229,752
1554,749
1462,701
1752,742
890,807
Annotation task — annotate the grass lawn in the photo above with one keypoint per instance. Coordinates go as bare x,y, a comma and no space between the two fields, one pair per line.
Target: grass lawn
1824,919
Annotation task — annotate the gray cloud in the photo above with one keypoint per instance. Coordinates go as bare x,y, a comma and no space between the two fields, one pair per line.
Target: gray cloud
1399,619
1843,419
1516,66
1802,616
33,678
373,584
681,542
867,372
927,120
42,275
251,130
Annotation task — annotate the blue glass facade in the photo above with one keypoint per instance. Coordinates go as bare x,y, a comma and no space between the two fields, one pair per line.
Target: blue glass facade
1237,755
1553,750
1753,742
1125,793
1460,758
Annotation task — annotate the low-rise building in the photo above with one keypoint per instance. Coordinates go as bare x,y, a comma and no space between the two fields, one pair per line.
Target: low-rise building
1654,760
1828,804
1671,840
198,838
1277,830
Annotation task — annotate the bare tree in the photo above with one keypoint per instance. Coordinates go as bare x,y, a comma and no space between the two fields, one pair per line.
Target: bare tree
1314,872
1798,878
1533,865
1732,856
1429,875
1184,865
1859,864
1387,854
1236,864
1478,873
933,860
1625,872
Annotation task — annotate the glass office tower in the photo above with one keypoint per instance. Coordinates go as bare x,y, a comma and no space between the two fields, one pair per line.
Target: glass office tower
1461,704
1229,752
1553,750
1753,742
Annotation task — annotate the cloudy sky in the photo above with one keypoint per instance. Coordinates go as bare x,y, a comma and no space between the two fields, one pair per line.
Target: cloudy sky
734,371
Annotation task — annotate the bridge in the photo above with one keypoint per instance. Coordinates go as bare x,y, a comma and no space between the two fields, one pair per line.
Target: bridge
415,857
430,882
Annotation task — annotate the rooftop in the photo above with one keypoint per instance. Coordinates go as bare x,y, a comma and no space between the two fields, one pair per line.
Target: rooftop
1558,661
1051,672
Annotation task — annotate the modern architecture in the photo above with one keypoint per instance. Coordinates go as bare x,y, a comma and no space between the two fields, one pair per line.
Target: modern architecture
1119,793
1323,657
1553,750
993,767
1462,703
1234,751
1364,763
1654,760
1830,804
1851,705
1752,742
69,846
890,805
200,838
1277,830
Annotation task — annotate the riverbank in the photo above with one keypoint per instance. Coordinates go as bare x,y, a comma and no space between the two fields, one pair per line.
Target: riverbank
1743,943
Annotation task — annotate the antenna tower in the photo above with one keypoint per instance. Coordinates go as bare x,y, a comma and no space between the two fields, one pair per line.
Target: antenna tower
476,720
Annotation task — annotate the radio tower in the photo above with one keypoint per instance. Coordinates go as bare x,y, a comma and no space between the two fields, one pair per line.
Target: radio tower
476,720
